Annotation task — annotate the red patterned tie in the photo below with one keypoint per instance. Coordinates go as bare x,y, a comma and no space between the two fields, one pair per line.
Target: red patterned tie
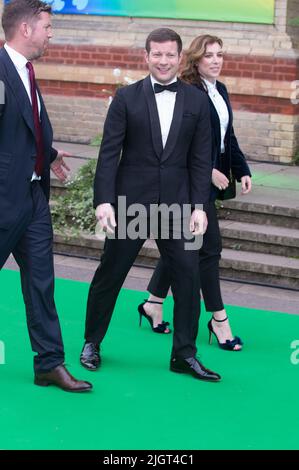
37,125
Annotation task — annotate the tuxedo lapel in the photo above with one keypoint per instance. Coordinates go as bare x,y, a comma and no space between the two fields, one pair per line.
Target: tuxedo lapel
16,85
175,123
154,116
215,122
225,97
225,162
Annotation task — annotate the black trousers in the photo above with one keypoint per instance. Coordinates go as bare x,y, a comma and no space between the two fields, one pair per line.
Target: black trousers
30,241
182,266
209,256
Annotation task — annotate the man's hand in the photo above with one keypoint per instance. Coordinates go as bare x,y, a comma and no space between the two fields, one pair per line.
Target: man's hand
198,222
58,166
246,184
106,217
219,179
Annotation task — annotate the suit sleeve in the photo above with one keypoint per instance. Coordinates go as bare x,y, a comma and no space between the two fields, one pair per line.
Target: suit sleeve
110,151
200,157
53,155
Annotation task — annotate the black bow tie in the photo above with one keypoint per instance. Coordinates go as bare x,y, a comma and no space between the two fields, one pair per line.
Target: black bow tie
171,87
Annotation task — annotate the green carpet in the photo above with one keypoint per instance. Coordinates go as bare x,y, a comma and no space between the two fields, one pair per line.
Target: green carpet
137,403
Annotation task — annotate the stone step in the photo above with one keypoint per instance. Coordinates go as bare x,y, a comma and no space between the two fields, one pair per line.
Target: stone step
267,239
264,206
261,214
273,270
57,188
90,246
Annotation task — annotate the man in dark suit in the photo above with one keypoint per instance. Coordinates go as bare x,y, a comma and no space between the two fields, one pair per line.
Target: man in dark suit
26,154
155,150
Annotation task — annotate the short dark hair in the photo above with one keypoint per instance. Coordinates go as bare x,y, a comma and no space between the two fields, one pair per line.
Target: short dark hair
163,35
17,11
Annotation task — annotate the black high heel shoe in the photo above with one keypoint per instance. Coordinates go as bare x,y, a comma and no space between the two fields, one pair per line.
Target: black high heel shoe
157,329
229,344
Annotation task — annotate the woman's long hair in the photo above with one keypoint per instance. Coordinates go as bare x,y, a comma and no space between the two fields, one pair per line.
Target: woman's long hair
193,55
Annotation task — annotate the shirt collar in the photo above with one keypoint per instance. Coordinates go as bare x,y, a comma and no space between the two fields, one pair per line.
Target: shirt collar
153,80
18,59
210,86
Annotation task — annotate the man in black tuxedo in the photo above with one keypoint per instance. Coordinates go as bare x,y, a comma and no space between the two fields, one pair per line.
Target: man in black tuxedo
155,150
26,155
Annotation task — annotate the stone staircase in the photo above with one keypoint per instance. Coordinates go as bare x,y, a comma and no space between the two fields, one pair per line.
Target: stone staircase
261,243
260,232
263,254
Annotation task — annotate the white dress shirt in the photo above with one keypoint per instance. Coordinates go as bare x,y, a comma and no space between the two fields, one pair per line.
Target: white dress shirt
20,62
165,104
221,108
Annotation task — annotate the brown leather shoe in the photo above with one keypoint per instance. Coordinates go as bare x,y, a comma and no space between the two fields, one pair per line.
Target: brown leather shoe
61,377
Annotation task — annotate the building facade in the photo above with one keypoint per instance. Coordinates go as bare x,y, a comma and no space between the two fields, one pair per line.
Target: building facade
90,56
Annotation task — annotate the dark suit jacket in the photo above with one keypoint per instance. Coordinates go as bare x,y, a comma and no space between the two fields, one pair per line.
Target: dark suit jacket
17,144
132,161
233,160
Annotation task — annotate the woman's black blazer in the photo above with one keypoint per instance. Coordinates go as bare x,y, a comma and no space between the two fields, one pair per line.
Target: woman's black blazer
233,160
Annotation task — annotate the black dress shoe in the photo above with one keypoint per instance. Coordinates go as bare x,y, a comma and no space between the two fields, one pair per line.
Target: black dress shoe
61,377
90,356
192,366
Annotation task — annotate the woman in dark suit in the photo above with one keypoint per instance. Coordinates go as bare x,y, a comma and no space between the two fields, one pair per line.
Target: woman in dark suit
203,64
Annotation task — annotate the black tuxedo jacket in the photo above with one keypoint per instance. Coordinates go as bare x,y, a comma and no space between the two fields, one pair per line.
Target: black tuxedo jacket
233,160
17,144
132,161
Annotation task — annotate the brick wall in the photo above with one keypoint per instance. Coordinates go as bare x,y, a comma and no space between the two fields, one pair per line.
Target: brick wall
292,23
75,119
237,65
267,135
261,64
